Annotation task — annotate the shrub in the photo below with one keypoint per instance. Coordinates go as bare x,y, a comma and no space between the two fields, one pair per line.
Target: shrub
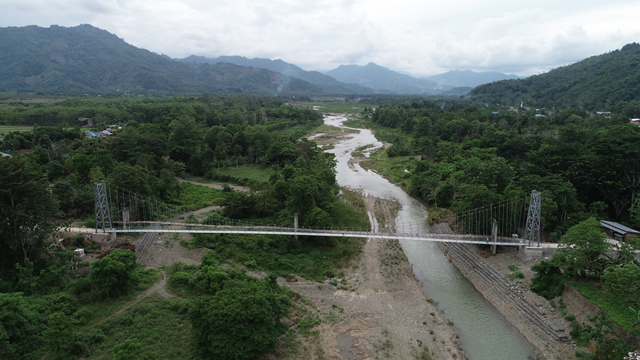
548,281
130,349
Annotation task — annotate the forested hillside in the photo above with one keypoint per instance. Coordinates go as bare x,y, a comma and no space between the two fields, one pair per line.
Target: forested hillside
87,59
596,83
583,164
325,82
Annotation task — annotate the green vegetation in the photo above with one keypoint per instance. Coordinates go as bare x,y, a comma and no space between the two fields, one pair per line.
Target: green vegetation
242,175
250,141
5,129
470,156
606,81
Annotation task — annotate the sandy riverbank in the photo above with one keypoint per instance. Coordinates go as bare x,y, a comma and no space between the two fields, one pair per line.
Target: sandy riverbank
383,313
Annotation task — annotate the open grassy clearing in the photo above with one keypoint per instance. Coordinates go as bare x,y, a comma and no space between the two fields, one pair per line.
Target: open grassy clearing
598,295
196,197
5,129
161,326
252,172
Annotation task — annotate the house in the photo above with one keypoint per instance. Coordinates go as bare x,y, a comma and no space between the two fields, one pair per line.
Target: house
85,121
617,231
4,154
91,134
22,151
606,114
105,133
539,115
634,121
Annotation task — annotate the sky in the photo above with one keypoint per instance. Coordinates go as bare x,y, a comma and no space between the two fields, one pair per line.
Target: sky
418,37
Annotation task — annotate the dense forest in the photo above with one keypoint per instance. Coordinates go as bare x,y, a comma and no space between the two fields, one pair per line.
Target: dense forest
51,308
585,164
597,83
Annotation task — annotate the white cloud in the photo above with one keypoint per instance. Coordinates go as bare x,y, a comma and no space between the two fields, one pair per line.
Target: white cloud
422,38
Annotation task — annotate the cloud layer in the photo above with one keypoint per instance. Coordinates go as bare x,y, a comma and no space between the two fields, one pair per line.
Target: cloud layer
422,38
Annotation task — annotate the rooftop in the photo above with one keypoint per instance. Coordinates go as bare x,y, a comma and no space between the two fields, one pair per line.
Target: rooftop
619,228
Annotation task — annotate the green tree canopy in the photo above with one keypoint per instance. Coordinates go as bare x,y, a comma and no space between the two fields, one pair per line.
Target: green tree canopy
241,321
113,274
585,243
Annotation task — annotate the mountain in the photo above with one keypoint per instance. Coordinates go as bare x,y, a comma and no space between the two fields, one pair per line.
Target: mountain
595,83
468,78
325,82
464,90
87,59
382,79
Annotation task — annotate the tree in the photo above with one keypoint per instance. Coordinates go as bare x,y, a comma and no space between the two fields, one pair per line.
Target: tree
585,243
624,280
27,211
241,321
20,328
113,274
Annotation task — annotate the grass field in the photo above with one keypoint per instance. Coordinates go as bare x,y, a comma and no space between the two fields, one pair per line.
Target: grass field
5,129
253,172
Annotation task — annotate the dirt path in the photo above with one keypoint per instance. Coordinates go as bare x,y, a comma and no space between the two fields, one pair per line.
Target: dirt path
214,185
158,287
378,310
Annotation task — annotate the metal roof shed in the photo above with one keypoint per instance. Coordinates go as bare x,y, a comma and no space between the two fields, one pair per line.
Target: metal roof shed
618,231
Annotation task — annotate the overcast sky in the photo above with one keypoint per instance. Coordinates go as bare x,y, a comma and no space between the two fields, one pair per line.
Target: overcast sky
420,37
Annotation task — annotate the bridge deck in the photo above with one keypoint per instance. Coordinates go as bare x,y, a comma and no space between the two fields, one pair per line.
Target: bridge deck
169,227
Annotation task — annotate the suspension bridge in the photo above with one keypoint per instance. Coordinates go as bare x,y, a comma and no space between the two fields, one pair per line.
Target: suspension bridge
511,222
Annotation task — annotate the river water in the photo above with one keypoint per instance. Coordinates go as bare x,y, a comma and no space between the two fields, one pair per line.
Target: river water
484,333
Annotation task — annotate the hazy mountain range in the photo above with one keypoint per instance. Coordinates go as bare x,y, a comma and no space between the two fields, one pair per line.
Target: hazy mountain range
87,59
326,83
468,78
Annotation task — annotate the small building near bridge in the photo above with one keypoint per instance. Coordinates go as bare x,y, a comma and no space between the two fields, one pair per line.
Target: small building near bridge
618,231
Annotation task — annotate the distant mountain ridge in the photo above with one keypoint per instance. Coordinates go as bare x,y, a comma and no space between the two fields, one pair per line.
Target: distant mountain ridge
595,83
87,59
325,82
384,80
468,78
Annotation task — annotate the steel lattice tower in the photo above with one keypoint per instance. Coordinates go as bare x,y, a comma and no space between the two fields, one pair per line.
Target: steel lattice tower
532,230
103,214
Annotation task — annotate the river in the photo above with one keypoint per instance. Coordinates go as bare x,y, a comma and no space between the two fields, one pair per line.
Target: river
484,332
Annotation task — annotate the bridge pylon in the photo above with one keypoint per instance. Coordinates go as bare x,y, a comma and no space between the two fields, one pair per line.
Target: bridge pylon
532,230
103,214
